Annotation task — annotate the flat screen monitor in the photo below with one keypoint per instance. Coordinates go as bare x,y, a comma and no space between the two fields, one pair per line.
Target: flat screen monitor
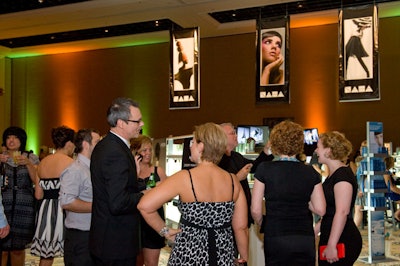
259,133
243,133
310,140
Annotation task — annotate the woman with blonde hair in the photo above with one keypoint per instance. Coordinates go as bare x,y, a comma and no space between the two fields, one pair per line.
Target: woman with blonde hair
152,242
340,189
211,202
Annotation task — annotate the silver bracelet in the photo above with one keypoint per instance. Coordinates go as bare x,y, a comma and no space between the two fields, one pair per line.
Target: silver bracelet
163,231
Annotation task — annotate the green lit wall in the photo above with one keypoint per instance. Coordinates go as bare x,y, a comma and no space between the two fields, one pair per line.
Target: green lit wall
74,89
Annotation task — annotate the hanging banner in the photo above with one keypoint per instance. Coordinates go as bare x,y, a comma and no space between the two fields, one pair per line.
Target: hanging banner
358,54
184,69
272,79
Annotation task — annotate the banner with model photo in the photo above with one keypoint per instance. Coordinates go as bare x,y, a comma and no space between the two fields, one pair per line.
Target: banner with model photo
358,54
273,60
184,69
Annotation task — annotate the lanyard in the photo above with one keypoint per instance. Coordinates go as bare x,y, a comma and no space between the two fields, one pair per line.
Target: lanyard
290,159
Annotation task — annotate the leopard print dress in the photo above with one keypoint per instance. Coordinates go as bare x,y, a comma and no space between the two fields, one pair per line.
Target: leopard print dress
207,236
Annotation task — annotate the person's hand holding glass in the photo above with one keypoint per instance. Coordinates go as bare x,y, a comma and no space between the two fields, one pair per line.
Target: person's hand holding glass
21,159
16,156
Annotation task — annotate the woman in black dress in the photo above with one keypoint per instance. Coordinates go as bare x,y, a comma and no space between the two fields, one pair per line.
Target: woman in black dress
152,242
340,188
292,191
19,167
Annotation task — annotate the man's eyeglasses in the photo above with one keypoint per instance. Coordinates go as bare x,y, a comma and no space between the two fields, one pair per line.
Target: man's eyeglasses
134,121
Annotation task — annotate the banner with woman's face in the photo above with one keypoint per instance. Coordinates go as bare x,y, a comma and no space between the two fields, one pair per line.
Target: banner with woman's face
272,54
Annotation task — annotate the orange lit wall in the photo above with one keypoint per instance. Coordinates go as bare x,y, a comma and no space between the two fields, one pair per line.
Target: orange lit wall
75,88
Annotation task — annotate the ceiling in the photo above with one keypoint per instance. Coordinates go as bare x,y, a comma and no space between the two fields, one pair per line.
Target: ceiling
34,27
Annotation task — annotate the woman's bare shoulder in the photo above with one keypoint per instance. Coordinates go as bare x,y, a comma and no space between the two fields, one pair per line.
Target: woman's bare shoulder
53,165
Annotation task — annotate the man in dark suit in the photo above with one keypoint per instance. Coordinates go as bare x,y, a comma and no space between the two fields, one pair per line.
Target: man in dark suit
235,163
114,232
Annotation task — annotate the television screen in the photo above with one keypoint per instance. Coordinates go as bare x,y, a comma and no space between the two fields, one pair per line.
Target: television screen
243,133
186,161
259,133
310,140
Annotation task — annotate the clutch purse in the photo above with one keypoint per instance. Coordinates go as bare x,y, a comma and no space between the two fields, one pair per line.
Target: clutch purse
340,250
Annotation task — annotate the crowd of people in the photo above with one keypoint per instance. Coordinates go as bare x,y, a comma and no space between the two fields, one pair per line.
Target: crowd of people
97,207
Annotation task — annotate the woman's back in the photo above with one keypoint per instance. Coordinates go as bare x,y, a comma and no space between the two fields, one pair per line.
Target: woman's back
206,219
212,189
209,183
288,189
53,165
48,241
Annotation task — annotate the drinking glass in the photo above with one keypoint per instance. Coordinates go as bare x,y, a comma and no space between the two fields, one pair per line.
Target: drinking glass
16,155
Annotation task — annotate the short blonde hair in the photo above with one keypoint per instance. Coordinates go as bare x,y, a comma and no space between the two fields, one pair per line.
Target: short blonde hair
287,138
339,145
136,143
214,140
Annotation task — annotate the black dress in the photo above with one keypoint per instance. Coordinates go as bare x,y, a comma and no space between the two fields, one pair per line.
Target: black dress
150,238
354,47
19,205
288,224
351,236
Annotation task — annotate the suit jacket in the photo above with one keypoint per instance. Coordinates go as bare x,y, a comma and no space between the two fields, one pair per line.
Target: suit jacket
114,232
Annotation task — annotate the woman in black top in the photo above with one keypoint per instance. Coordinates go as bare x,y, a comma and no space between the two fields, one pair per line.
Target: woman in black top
151,241
292,191
340,188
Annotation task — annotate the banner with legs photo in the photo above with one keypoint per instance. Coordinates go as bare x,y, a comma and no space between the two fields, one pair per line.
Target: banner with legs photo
358,54
184,69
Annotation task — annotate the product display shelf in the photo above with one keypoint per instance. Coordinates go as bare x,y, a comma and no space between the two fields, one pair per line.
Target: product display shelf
174,153
174,158
375,189
374,168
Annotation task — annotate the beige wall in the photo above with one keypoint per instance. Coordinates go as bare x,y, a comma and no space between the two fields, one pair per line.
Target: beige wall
75,89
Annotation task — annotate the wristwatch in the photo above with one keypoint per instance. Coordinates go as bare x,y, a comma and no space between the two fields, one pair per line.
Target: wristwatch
163,231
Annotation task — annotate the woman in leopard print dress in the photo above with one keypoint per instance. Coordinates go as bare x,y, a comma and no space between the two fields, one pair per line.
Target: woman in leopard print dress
212,204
